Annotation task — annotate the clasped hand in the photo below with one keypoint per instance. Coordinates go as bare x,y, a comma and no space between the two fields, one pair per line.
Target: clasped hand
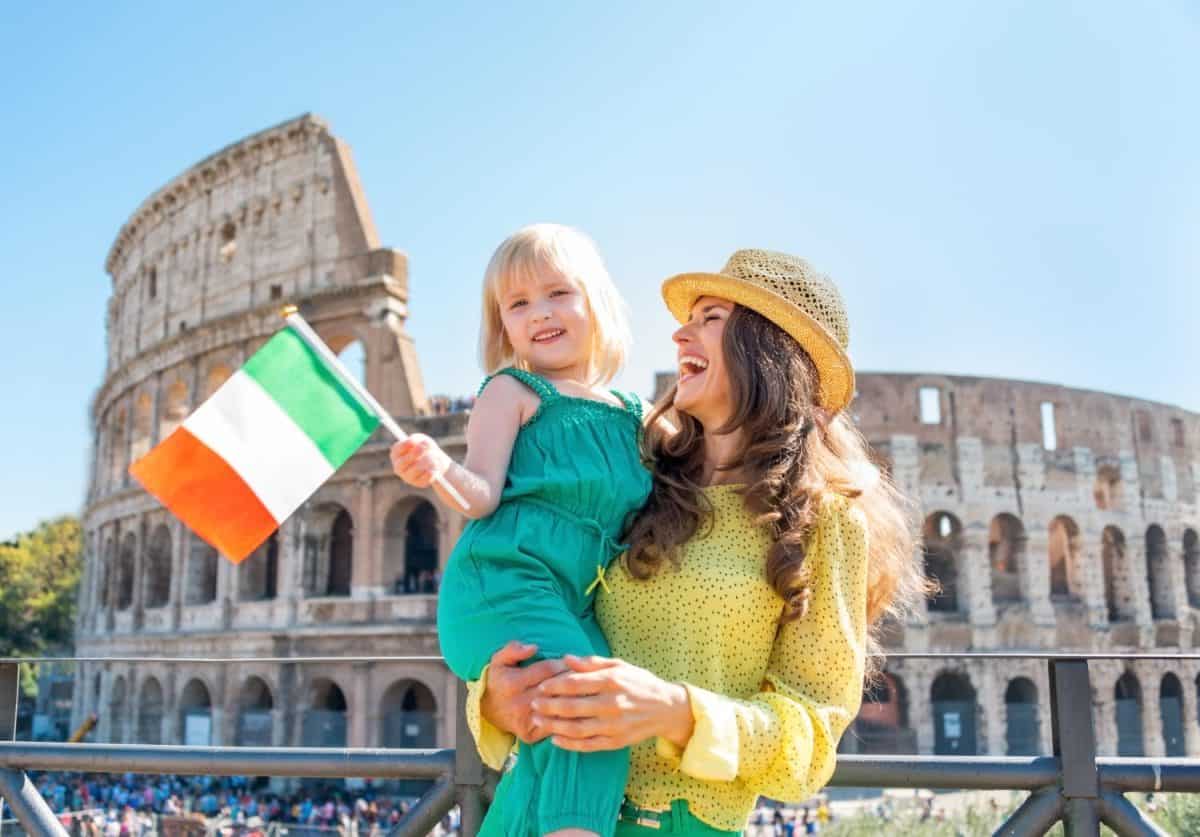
584,703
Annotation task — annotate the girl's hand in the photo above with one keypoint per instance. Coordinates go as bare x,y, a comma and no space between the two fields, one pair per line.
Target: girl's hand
605,704
418,460
511,689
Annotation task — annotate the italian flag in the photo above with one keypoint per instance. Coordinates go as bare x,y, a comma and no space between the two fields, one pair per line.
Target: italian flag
259,447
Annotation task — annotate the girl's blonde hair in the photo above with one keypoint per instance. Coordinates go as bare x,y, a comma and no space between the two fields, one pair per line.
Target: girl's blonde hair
533,251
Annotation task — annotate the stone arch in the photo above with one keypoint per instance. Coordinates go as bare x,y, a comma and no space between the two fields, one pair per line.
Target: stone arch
125,571
195,714
150,712
410,556
256,717
141,436
882,724
1191,566
1066,559
1170,707
117,707
174,408
216,375
1158,576
1118,580
1006,557
1128,696
200,581
324,723
954,709
1107,489
328,551
1021,722
942,561
258,575
157,572
408,712
352,352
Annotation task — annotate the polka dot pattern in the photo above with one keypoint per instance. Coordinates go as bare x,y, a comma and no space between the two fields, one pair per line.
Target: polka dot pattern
770,703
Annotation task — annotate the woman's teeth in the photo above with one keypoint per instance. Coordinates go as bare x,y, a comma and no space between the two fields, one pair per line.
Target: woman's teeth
547,335
691,366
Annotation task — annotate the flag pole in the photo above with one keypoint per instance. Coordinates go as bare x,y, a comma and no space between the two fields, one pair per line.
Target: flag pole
291,316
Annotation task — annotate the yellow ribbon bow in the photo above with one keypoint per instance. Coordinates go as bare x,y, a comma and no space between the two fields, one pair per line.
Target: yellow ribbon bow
598,581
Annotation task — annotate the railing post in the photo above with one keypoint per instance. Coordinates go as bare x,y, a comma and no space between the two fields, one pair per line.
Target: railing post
10,681
468,771
1074,739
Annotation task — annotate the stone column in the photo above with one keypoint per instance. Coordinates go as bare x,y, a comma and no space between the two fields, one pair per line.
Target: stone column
139,573
920,708
1091,563
227,590
1191,726
1041,677
1033,555
156,409
1135,566
1152,728
975,575
990,696
104,715
447,708
1105,710
358,705
365,570
110,598
179,543
1179,596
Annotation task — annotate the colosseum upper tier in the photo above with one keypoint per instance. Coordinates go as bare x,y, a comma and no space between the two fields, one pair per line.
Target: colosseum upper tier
1054,518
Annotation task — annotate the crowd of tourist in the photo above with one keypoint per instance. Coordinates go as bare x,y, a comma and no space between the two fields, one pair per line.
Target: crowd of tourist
137,806
444,405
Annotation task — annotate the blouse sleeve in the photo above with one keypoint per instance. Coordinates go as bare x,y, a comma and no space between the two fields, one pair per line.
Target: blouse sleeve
493,743
782,742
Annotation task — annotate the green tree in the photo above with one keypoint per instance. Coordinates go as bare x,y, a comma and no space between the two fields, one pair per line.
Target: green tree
39,578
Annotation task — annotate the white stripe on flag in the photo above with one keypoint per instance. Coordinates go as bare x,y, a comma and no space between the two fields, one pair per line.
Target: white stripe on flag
245,427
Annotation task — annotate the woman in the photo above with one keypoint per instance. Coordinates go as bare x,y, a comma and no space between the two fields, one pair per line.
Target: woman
742,618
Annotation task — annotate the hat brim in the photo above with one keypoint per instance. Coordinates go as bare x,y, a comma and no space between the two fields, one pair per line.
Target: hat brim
835,374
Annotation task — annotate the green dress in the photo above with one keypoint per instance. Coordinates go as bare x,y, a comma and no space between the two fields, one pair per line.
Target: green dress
529,571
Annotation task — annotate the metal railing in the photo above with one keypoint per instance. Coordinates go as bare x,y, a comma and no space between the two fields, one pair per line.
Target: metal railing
1072,785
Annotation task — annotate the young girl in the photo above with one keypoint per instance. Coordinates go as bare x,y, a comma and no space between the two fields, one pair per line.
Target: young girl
552,473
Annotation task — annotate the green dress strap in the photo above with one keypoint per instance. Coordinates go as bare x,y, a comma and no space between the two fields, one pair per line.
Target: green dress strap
543,388
632,403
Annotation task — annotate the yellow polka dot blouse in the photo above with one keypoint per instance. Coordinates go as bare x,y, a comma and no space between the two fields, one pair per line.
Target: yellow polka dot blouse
770,703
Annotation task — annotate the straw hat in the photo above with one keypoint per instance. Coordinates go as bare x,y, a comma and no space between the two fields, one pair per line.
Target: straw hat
788,292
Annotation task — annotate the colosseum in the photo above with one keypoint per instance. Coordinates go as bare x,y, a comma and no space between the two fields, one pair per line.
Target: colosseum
1054,518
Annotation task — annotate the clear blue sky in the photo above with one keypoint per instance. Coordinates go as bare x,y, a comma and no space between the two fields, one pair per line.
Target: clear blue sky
999,188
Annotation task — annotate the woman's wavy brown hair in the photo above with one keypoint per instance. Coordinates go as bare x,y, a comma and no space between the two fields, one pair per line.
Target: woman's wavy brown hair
792,454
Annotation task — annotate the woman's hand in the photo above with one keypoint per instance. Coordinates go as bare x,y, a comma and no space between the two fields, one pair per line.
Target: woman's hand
511,689
606,704
418,460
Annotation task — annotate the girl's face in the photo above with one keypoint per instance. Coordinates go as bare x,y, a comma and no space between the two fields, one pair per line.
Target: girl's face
703,389
548,323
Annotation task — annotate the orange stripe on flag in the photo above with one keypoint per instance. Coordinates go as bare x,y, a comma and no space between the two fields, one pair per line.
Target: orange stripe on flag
205,493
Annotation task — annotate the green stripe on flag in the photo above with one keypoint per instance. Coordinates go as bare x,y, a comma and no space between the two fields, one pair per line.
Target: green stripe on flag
313,396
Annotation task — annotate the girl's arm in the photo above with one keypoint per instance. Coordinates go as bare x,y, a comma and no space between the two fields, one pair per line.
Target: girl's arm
495,420
781,741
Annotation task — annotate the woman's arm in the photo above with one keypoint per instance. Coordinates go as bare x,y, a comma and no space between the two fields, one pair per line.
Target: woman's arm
781,741
495,420
498,703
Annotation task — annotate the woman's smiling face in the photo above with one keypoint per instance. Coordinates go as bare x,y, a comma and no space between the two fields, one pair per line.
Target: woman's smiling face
703,390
